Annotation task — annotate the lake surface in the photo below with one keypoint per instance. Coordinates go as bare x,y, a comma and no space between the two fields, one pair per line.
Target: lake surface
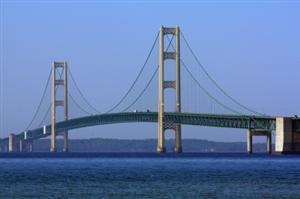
151,176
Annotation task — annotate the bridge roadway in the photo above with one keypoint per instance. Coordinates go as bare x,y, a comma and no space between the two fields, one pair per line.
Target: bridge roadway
227,121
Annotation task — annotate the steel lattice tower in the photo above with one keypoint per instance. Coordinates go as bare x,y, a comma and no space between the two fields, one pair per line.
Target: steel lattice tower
164,55
62,102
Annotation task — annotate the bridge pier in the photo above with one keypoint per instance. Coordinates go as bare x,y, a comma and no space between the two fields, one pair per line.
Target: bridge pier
21,146
249,142
252,132
12,143
65,140
161,149
269,143
287,139
178,146
25,146
29,146
161,142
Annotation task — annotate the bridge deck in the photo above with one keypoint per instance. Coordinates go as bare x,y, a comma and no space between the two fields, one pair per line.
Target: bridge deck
227,121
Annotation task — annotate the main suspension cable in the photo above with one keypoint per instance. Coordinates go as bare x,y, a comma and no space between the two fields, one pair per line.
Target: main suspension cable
49,107
207,93
138,76
76,103
81,94
40,103
202,88
149,82
143,91
214,81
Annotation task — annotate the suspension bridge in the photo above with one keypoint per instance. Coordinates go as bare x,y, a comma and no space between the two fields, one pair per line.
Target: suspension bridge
199,100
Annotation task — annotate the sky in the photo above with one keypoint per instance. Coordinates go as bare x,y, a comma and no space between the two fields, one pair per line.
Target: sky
251,48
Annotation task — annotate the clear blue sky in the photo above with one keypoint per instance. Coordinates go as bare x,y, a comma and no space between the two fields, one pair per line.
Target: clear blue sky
252,49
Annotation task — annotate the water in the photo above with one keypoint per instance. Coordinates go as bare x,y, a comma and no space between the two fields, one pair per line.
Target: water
151,176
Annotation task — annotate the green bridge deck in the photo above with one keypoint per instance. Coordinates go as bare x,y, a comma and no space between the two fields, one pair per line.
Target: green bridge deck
227,121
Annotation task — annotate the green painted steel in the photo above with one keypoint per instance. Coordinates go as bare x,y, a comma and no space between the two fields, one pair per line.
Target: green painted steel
226,121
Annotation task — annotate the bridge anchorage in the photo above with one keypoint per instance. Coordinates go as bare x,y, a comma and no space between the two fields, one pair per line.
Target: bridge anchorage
286,129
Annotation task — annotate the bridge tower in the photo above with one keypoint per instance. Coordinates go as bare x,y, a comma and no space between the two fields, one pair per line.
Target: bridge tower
56,82
174,84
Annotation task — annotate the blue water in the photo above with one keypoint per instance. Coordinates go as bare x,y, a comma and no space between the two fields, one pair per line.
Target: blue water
151,176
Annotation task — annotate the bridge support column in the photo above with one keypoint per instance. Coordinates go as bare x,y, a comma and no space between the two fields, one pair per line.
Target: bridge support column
30,146
249,142
12,143
253,132
178,147
287,140
269,143
165,54
66,144
63,102
21,146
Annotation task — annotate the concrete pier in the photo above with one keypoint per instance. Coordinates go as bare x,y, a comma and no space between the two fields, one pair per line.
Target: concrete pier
252,132
287,140
269,143
161,149
178,150
21,147
249,142
178,144
66,140
12,143
29,146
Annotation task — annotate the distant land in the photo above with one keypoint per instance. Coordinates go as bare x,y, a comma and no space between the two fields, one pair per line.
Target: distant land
146,145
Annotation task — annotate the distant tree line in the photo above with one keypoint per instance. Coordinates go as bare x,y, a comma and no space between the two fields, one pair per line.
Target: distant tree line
146,145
